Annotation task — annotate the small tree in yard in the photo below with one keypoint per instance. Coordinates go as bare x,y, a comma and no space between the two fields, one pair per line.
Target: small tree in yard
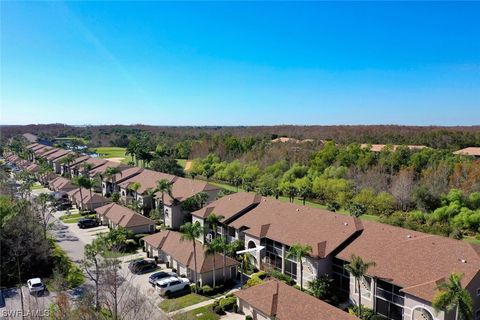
358,269
92,266
298,252
321,287
43,211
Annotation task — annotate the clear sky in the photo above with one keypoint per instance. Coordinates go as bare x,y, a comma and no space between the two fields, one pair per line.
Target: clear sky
239,63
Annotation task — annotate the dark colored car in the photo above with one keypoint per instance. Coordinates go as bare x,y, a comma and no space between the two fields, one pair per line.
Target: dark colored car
63,205
87,223
160,275
142,266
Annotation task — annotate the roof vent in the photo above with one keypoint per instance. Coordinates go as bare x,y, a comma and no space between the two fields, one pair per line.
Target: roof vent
345,223
297,210
230,198
463,261
409,236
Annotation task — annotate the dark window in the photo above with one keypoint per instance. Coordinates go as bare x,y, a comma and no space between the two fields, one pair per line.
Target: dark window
382,307
291,269
396,312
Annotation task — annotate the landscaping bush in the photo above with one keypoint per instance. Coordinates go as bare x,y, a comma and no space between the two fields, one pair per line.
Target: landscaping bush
207,290
253,281
218,310
261,275
193,287
227,303
282,277
248,317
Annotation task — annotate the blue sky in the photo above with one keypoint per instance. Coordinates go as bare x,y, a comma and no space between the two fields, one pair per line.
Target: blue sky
239,63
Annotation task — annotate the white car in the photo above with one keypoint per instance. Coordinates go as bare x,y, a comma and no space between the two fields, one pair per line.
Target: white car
35,285
171,284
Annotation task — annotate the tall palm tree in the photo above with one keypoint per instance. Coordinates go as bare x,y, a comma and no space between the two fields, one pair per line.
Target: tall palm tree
358,269
111,173
67,160
44,171
190,232
213,221
211,250
297,252
134,186
164,186
224,246
150,193
87,167
81,182
452,295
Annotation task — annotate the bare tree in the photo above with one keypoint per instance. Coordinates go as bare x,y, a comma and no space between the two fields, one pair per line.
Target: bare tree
402,187
43,211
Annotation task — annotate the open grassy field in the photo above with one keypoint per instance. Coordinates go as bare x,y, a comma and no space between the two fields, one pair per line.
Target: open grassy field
113,152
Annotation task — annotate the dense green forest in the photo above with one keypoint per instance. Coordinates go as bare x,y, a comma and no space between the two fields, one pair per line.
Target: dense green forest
431,190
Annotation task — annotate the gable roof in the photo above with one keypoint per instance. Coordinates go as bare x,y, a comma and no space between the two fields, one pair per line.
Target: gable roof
182,251
95,162
87,197
59,153
277,299
61,183
78,160
413,260
470,151
30,137
43,153
123,216
102,168
125,174
184,188
147,179
230,206
290,223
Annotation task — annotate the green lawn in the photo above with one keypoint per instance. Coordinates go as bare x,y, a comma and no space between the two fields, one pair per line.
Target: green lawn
472,240
202,313
37,185
173,304
182,162
73,218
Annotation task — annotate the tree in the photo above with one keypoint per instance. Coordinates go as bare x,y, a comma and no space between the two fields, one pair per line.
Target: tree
92,266
81,182
67,160
304,188
111,173
402,188
452,296
134,186
321,287
190,232
211,250
43,211
358,269
164,186
297,252
213,221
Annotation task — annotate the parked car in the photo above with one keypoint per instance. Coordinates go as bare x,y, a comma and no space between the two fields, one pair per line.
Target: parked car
142,266
87,223
63,205
171,285
35,286
160,275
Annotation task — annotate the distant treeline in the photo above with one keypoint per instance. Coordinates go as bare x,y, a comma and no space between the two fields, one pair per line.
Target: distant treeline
451,138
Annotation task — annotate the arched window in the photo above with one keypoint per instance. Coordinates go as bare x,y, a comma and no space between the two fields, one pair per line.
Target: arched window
251,244
420,313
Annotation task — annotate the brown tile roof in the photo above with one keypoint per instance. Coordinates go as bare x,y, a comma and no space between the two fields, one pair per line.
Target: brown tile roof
126,174
184,188
33,146
30,137
63,156
37,147
147,179
123,216
88,197
379,147
102,168
95,162
32,167
43,153
413,260
290,223
470,151
182,251
59,153
61,184
230,206
277,299
78,160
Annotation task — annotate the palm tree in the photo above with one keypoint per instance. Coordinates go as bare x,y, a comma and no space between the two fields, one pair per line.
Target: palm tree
150,193
211,249
358,269
44,171
87,167
224,246
213,221
190,232
111,173
164,186
134,186
298,252
81,182
452,295
67,160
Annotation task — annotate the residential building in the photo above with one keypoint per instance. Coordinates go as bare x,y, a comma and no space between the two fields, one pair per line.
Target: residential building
79,168
86,199
230,207
380,147
114,216
61,184
111,184
169,248
409,266
274,300
67,169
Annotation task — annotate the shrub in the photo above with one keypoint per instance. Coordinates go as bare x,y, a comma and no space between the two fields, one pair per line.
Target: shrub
227,303
248,317
253,281
193,287
282,277
261,274
206,289
218,310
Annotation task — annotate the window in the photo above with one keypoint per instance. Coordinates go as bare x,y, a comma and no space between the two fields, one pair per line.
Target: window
478,292
291,269
389,310
477,314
